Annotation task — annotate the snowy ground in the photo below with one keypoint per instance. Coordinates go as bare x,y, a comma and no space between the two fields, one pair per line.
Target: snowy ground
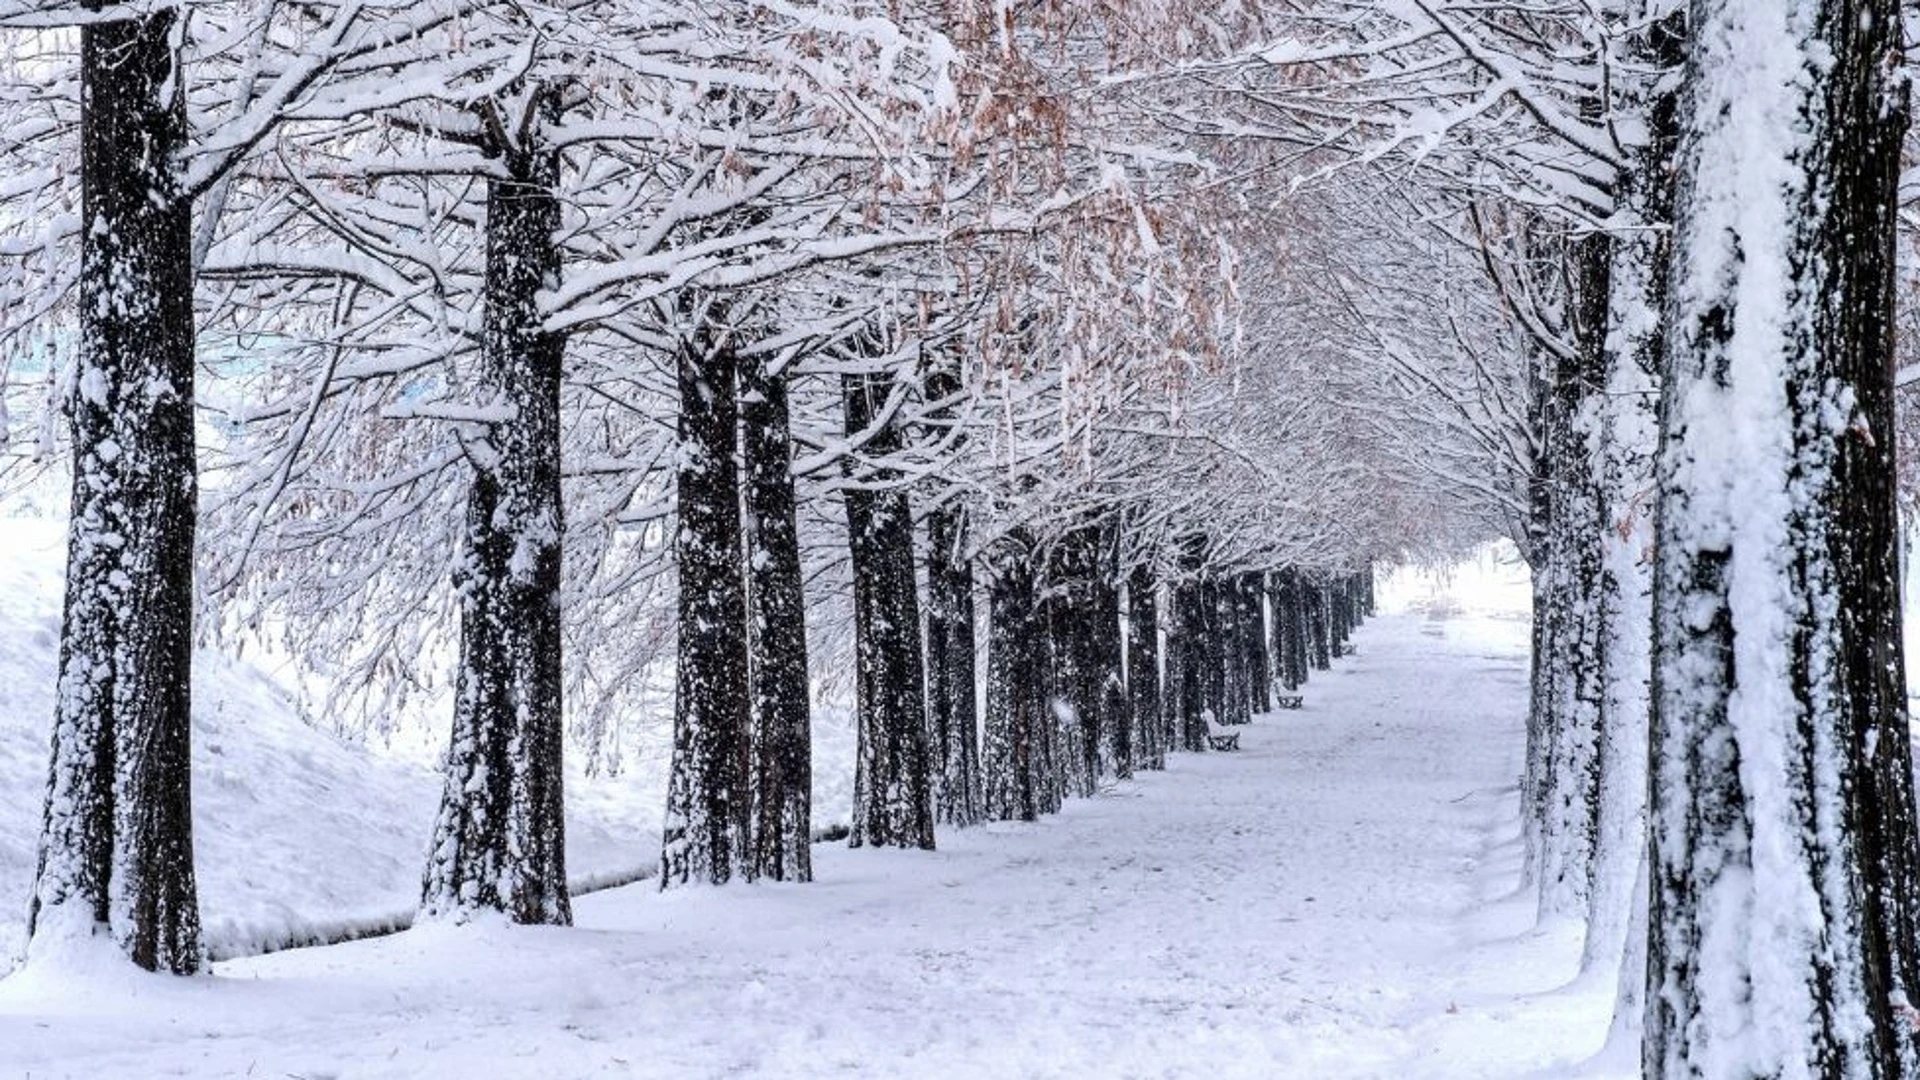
295,830
298,831
1338,900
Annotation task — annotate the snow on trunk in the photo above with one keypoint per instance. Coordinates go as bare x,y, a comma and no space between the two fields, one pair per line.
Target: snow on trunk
499,841
1628,435
1016,685
893,782
709,824
951,699
1143,669
1572,569
1260,654
1624,418
1186,652
116,844
1782,847
781,705
952,702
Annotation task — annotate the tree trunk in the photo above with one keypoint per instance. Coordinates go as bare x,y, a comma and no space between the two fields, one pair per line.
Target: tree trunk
780,705
1070,605
500,836
1319,627
1259,638
1628,439
951,706
1336,598
952,683
1782,808
1187,690
1143,669
1290,629
1273,597
1576,520
1016,685
1541,702
1236,688
1107,657
708,836
1187,659
892,787
1054,753
1211,647
116,841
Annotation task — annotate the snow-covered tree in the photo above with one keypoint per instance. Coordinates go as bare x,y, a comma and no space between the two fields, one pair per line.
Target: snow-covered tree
1782,910
170,101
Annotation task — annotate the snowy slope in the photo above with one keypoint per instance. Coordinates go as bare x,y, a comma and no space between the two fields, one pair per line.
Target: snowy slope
293,827
1338,900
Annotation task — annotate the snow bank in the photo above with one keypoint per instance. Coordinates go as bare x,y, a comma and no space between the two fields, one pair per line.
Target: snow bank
302,836
297,833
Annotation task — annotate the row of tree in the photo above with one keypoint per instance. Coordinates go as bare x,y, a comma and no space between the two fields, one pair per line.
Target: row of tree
1678,388
542,342
753,344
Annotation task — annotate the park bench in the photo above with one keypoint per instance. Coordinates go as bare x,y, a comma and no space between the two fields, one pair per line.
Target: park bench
1220,737
1288,701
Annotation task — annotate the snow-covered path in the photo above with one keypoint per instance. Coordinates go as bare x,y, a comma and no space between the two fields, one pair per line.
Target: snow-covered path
1332,901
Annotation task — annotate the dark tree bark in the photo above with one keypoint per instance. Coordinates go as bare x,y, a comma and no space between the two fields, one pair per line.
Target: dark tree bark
952,708
780,706
1185,695
1016,685
500,836
1319,627
116,841
1107,659
1054,752
1277,607
1782,802
1575,525
1143,669
1546,621
1253,588
1211,645
1856,318
1187,656
951,705
1561,782
1290,629
709,827
1229,633
1340,615
1615,940
892,788
1074,609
